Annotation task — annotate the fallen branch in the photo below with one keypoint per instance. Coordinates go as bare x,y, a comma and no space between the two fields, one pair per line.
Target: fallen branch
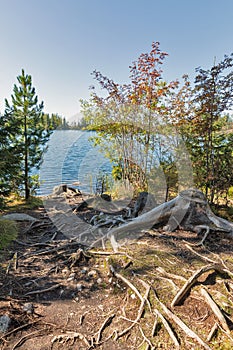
228,335
215,310
198,254
204,237
187,286
154,325
126,281
170,275
39,291
18,328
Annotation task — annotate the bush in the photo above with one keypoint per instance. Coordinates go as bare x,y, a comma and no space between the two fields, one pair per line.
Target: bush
8,232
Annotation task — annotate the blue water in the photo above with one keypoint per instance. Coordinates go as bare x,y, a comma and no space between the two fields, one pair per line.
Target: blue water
71,158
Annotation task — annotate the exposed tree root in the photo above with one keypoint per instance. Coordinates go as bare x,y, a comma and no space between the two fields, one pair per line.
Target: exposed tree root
213,332
215,310
168,328
187,286
188,210
103,326
182,325
64,338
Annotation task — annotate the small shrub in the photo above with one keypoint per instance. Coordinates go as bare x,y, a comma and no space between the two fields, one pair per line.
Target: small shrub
8,232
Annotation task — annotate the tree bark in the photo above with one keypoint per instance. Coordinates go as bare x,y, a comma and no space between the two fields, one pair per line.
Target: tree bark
187,211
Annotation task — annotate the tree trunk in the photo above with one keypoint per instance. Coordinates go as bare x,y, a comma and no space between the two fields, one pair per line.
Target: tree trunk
188,211
26,185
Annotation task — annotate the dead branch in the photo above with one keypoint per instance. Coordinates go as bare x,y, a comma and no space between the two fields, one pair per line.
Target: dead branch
39,291
107,253
198,244
227,334
174,286
187,286
198,254
216,310
154,325
18,328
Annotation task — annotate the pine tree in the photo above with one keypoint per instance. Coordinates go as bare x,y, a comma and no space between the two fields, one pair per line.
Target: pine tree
28,136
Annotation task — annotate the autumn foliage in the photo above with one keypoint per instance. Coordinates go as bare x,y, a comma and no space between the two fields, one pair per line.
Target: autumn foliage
145,125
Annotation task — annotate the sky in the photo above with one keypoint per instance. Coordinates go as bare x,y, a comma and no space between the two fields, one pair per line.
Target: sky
60,42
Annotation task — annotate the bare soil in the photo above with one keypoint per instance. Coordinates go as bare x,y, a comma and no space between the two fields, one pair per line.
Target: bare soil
58,295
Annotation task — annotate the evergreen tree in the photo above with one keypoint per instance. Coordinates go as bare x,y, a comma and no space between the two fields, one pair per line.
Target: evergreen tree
27,133
213,95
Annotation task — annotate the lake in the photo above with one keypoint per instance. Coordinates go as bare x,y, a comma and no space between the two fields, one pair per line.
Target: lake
71,158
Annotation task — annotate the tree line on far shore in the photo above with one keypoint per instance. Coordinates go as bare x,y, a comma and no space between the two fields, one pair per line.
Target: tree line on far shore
56,122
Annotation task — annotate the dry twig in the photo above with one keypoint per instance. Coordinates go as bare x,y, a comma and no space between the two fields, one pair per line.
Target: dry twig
198,254
39,291
25,337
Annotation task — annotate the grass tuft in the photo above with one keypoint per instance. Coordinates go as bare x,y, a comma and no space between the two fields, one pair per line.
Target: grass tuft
8,232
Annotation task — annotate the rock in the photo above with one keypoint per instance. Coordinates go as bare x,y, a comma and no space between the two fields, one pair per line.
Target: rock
59,189
71,277
4,323
92,273
99,280
19,217
70,191
79,287
106,197
28,308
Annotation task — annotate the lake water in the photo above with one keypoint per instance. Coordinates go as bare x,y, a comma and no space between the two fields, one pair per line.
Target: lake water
71,158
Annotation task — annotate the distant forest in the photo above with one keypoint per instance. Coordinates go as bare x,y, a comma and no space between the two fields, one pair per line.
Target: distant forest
57,122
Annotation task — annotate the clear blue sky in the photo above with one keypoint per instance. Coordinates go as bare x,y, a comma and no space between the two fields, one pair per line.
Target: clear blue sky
60,42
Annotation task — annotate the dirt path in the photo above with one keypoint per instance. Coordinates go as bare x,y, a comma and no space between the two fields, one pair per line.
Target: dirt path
57,295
